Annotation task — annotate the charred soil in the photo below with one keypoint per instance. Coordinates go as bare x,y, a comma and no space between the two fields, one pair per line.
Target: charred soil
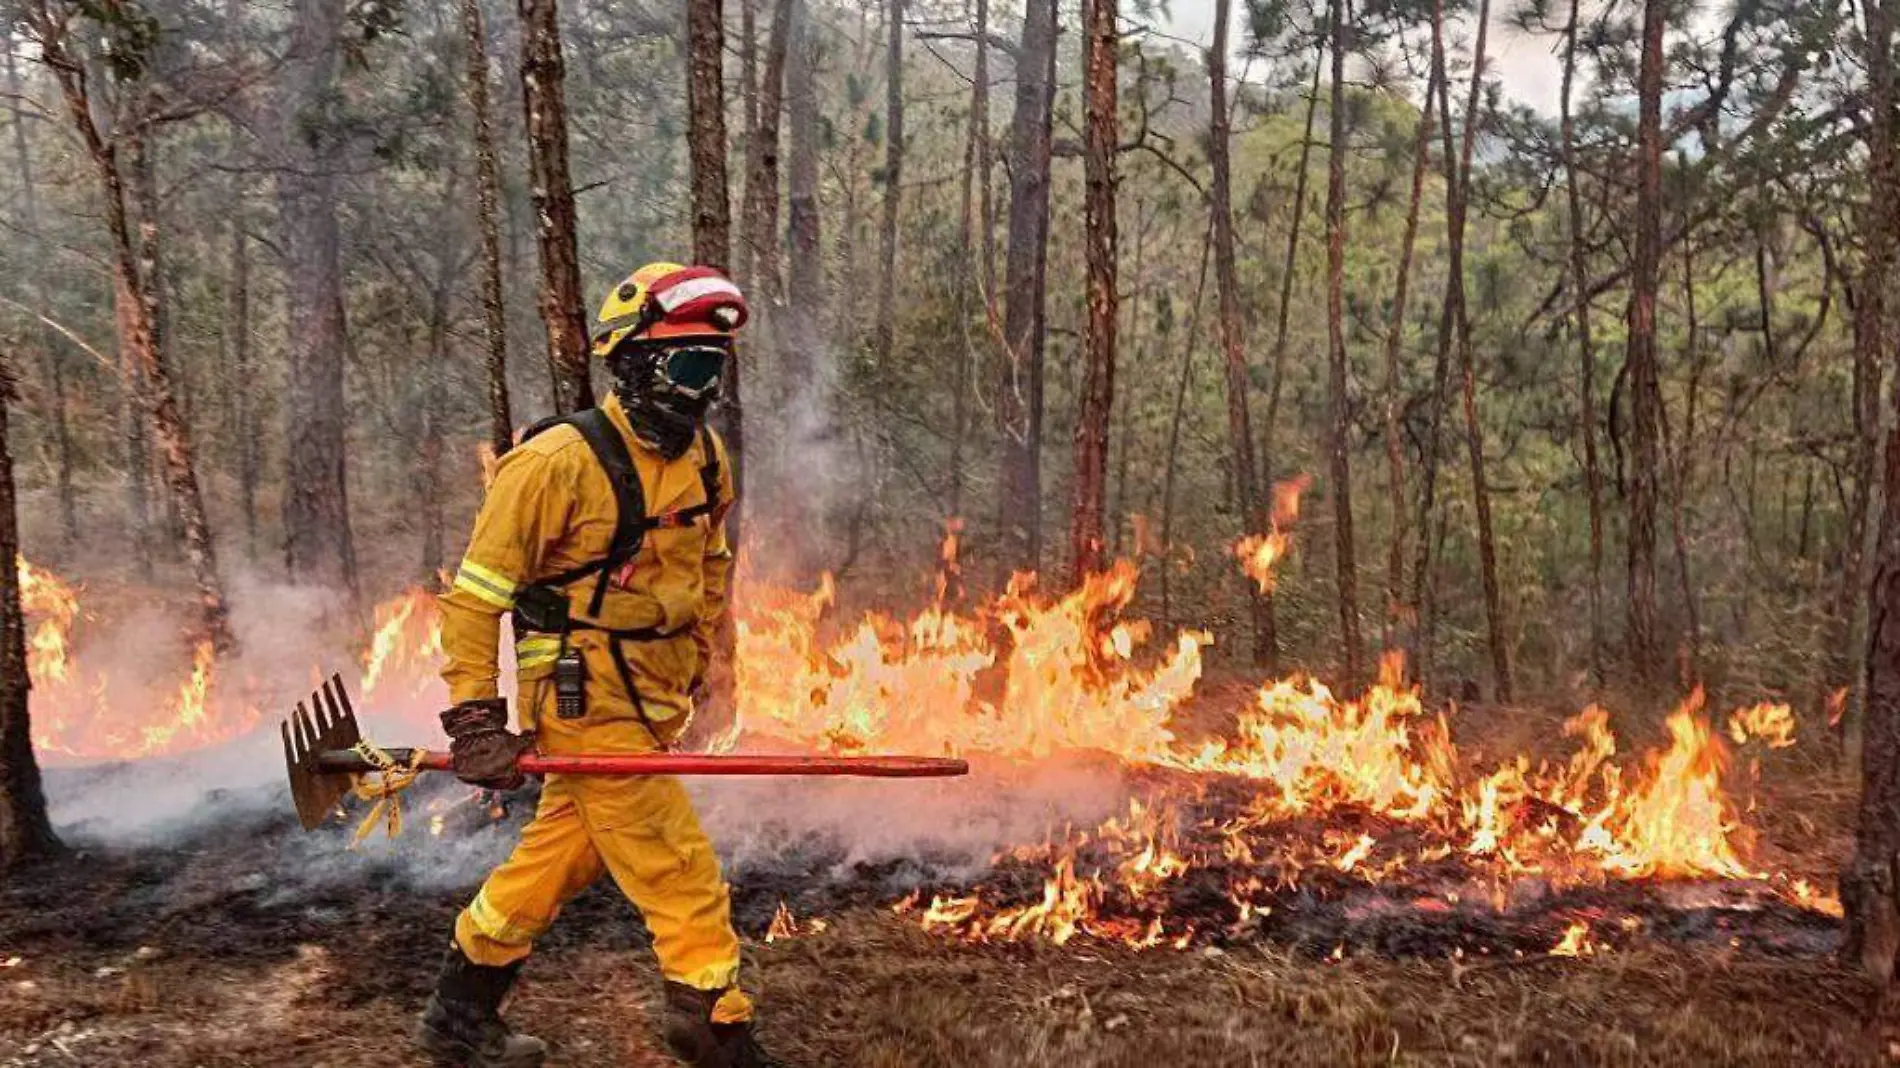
246,942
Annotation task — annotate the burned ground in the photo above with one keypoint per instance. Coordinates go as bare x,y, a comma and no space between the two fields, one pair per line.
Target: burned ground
245,942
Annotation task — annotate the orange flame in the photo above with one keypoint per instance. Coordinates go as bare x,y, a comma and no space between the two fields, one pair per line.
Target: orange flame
1260,554
1576,942
1771,724
1025,675
56,604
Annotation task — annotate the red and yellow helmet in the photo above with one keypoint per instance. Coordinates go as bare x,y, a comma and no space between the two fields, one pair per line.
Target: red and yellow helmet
668,300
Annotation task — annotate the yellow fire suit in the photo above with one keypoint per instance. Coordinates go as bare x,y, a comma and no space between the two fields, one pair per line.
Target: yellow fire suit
551,509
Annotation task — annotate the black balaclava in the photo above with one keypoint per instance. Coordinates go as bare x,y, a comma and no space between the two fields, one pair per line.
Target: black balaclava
663,417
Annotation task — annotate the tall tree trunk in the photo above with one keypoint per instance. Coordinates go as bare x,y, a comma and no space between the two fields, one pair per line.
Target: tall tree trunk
1586,349
135,443
805,292
544,103
883,336
244,402
748,74
712,204
487,219
712,247
1394,352
52,358
1100,139
428,474
1496,628
1870,875
973,211
151,258
1253,510
25,832
1680,468
758,254
135,338
1125,436
317,544
1019,405
1424,606
1339,428
1190,339
1644,375
1872,335
1277,371
980,143
706,133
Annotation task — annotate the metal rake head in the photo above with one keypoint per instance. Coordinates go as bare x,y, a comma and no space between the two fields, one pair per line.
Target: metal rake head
333,726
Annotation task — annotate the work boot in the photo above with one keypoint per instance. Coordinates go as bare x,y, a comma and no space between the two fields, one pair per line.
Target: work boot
696,1040
462,1025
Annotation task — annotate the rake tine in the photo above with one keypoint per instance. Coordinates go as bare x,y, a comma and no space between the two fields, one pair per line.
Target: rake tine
343,695
290,749
306,734
329,715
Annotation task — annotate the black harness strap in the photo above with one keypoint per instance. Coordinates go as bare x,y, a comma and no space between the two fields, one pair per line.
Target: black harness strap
631,521
543,606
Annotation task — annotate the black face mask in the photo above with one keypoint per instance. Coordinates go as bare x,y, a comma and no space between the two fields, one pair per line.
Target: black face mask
667,388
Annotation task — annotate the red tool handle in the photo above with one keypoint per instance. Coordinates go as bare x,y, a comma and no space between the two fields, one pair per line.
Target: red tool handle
881,767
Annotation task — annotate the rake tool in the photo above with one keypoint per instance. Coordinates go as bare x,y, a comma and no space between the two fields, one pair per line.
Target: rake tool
324,751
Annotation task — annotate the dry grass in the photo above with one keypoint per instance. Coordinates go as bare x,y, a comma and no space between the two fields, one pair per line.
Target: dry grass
874,991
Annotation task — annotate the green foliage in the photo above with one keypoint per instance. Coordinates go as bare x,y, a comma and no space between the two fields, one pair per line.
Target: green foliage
1763,477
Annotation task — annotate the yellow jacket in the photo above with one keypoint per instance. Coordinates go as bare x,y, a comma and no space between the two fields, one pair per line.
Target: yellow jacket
551,508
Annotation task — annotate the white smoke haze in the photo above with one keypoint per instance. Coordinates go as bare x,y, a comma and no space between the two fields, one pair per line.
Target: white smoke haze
954,822
804,472
290,638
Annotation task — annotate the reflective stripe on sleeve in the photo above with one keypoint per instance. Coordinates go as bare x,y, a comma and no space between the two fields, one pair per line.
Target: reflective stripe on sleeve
490,586
535,651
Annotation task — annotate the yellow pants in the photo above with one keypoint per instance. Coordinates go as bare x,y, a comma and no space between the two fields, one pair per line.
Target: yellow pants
643,832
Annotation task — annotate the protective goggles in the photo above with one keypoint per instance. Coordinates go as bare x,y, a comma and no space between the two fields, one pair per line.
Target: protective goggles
691,370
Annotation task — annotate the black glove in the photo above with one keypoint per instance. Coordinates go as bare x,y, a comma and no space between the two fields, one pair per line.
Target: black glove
482,747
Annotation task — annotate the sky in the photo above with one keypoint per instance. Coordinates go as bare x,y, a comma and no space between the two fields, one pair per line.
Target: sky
1526,65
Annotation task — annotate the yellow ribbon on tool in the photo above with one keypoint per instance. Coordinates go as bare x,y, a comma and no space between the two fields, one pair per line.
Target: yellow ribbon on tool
383,786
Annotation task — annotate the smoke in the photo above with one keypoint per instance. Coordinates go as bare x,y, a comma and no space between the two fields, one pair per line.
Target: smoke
132,675
957,823
806,474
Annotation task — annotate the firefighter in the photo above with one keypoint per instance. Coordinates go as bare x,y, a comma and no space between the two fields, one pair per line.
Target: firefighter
603,537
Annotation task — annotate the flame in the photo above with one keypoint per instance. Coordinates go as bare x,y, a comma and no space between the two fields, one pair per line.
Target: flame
1260,554
1576,942
1068,665
1772,724
1837,706
56,604
1803,893
407,643
82,716
1025,675
785,925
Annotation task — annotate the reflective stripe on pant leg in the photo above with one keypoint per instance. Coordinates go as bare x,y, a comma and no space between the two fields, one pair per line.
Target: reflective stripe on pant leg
517,904
650,840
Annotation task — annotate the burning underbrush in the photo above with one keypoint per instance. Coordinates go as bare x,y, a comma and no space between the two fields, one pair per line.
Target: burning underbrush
1276,811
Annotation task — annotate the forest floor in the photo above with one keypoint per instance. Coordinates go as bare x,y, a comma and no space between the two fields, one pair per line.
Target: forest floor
245,942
